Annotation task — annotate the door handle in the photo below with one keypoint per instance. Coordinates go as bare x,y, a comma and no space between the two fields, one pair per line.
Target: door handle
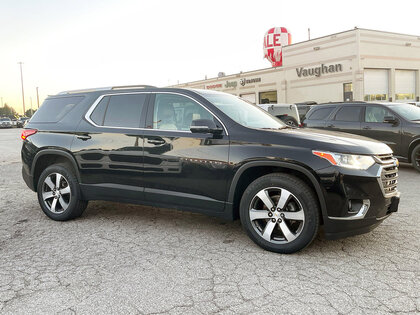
156,141
84,137
366,128
330,126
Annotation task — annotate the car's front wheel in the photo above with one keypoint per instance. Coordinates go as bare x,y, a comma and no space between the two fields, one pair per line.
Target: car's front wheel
280,213
415,157
59,193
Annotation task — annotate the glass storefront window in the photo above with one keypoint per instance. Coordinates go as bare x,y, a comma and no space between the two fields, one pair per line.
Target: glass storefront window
405,96
269,97
376,97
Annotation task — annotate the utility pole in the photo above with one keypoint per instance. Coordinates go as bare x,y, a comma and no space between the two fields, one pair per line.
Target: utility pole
32,113
37,97
21,81
309,33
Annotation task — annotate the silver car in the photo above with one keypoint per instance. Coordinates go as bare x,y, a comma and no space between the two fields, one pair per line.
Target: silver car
5,122
288,113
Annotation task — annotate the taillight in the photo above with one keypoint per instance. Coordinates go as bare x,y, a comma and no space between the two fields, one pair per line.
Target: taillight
28,132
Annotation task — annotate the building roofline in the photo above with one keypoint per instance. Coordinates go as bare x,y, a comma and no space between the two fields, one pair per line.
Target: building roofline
298,43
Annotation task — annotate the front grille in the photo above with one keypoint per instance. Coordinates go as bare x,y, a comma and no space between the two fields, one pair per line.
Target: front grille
385,158
389,174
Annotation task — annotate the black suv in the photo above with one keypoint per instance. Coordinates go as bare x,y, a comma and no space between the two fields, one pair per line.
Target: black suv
208,152
397,125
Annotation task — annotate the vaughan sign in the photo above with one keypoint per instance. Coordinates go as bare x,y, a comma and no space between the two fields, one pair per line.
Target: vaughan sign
318,71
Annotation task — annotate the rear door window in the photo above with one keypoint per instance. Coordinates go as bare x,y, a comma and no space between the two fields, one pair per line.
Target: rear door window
348,113
321,114
124,110
55,108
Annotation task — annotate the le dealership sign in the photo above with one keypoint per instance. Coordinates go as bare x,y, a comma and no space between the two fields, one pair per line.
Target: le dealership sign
318,71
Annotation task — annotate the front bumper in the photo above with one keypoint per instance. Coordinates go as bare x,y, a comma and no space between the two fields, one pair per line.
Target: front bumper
358,201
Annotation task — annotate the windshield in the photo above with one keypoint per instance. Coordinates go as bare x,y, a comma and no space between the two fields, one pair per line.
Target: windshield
408,112
5,119
244,113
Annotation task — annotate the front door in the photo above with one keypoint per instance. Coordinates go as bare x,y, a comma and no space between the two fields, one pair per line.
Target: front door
183,169
108,147
373,126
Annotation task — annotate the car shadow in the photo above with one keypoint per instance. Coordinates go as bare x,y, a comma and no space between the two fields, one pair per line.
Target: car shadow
182,224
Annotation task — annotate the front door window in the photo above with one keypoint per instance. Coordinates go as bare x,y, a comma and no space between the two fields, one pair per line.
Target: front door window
176,112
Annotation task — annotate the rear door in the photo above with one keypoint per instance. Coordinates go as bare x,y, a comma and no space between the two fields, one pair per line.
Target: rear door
346,119
317,117
183,169
108,146
373,126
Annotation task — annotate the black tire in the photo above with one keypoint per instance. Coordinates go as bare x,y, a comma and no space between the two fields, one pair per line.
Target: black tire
75,205
415,157
290,121
302,196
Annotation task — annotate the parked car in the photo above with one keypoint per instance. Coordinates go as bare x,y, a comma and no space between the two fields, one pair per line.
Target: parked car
287,113
14,122
209,152
414,103
395,124
21,122
303,108
5,122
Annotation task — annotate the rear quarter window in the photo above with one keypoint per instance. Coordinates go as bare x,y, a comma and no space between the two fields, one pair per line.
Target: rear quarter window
321,113
54,109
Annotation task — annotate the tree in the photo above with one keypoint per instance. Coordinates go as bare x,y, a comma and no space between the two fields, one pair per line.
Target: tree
28,113
7,111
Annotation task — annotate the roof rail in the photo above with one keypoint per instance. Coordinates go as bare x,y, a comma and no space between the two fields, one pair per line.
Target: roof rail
120,87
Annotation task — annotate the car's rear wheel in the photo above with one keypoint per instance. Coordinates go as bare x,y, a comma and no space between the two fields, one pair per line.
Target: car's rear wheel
59,193
280,213
415,157
290,121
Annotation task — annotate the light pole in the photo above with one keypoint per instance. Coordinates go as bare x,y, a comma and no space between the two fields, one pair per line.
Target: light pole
37,97
21,81
31,107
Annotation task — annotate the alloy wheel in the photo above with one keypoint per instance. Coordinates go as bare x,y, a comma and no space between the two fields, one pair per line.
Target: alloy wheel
56,193
277,215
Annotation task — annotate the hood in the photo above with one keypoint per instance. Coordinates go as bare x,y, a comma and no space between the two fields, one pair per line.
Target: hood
334,141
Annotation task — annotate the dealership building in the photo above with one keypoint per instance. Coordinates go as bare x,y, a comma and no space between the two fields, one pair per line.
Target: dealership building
355,65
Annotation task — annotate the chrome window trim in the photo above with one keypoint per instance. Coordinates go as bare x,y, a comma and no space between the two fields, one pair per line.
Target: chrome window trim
99,99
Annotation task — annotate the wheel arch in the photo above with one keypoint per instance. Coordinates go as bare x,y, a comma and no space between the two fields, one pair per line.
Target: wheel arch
47,157
256,169
411,147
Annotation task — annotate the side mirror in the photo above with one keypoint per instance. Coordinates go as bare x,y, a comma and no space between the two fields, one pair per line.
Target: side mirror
205,126
390,120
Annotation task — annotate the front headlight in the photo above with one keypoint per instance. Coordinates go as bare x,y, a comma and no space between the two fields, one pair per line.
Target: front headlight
359,162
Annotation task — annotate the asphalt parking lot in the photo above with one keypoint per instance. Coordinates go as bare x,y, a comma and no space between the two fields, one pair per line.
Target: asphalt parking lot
120,258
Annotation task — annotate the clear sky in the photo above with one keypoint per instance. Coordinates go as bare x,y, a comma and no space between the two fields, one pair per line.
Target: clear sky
91,43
